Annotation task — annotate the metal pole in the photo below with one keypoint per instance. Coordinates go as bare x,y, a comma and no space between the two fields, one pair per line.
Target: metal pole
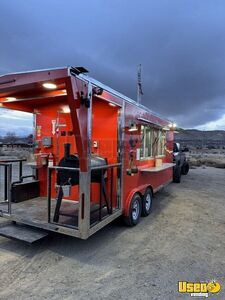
20,169
139,84
84,219
111,192
6,183
49,194
100,202
9,176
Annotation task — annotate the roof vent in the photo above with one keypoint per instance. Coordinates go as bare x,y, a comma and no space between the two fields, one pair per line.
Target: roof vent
78,70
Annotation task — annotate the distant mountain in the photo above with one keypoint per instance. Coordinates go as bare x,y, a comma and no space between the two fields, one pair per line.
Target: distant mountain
194,137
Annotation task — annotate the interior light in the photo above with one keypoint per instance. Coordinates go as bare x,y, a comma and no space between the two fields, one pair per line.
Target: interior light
66,109
112,104
10,98
49,85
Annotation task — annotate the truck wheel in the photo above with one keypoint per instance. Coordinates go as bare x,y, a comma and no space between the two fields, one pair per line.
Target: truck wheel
147,203
185,168
134,211
177,174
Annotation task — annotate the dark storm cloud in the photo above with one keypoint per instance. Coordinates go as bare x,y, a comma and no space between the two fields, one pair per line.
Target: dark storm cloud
181,45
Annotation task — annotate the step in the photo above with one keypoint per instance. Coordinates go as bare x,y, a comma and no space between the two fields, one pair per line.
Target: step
23,233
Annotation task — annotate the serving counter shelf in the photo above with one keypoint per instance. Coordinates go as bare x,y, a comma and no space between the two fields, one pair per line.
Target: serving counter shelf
163,167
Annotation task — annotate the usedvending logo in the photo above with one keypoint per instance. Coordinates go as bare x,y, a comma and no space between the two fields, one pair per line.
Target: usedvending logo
199,289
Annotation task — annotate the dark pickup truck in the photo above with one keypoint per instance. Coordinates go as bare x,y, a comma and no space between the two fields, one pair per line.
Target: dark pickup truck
182,165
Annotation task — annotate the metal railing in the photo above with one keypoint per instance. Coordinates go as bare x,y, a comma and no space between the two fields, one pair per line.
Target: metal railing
15,160
7,185
49,191
108,201
102,189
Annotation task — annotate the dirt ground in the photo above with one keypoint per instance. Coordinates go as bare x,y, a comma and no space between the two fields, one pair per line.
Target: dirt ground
183,239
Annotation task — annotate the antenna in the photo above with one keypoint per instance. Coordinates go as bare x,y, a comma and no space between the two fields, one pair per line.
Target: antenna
139,84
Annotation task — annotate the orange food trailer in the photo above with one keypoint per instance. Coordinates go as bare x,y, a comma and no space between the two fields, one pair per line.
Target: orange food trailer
98,154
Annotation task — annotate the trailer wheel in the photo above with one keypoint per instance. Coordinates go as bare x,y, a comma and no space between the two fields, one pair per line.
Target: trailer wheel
134,211
185,168
177,174
147,203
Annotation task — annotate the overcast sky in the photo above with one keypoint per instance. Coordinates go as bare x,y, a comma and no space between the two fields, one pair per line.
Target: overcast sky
180,44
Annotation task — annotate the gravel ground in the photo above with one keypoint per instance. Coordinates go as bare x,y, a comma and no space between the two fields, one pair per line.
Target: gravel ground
183,239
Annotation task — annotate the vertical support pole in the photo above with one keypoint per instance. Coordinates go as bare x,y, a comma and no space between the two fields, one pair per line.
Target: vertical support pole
49,194
101,192
120,170
111,192
34,171
20,169
6,183
9,182
84,205
85,178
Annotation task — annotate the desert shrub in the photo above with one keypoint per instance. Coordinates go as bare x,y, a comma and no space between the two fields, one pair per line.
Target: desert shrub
207,161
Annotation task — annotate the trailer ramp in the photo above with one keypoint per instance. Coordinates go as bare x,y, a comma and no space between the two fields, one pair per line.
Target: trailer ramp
23,233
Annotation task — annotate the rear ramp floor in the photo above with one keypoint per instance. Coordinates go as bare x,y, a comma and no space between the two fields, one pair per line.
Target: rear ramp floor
22,232
36,210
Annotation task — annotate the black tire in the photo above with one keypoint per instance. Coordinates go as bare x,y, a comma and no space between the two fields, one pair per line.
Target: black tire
185,168
147,203
177,174
135,205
